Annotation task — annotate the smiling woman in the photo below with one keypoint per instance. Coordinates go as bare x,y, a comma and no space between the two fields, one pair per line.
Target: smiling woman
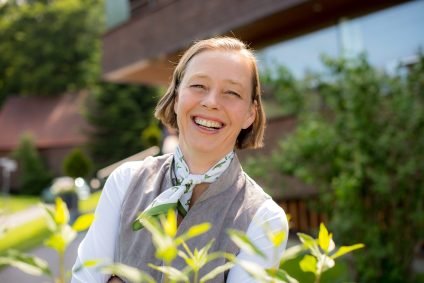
214,103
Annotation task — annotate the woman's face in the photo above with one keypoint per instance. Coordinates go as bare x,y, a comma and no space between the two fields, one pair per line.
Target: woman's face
214,102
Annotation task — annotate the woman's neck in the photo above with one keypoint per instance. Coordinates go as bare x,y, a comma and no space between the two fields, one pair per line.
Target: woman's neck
198,162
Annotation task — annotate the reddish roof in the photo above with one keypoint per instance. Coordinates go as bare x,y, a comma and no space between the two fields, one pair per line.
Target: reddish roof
52,121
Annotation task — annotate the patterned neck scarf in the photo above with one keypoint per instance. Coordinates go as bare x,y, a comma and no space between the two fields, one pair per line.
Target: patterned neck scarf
178,197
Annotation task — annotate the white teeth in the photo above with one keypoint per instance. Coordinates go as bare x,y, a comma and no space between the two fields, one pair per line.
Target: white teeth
207,123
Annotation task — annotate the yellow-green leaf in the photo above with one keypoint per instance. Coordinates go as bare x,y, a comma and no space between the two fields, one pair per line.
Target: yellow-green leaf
56,242
167,252
83,222
68,234
276,238
125,271
346,249
309,243
61,216
324,238
254,270
198,230
26,263
172,273
218,270
244,243
291,253
308,264
49,217
170,225
87,264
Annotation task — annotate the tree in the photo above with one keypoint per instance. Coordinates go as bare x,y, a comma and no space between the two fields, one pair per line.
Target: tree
49,47
34,176
77,164
119,113
363,147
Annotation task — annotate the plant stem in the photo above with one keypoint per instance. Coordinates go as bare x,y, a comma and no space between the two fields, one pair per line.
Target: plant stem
196,276
62,267
318,278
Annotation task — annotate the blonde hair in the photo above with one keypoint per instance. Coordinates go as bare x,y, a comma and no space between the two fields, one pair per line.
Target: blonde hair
252,137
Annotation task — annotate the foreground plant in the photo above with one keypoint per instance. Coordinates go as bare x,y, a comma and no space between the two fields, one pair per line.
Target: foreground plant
62,234
164,230
321,255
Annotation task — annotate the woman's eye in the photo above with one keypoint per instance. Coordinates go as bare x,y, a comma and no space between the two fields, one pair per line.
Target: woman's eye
198,86
233,93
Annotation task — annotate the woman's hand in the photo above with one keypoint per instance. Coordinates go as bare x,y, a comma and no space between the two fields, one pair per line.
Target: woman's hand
115,279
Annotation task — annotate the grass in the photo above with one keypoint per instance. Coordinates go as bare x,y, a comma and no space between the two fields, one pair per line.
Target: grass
14,204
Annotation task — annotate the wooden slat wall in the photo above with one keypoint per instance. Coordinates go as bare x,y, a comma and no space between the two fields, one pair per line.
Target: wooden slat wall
302,218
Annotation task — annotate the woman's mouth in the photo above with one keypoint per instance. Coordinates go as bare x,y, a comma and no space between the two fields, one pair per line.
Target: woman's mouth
208,124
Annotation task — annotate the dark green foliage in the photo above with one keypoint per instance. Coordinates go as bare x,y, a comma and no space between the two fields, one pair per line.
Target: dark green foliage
361,142
33,177
49,47
119,114
152,135
77,164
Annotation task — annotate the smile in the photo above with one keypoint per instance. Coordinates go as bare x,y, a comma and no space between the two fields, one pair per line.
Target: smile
208,123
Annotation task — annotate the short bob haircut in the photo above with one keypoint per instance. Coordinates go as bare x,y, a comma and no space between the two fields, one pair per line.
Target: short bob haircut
251,137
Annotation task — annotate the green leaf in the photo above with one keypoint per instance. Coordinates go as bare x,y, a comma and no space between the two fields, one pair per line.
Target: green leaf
291,253
254,270
166,249
216,271
29,264
309,243
125,271
170,224
60,240
172,273
83,222
243,242
346,249
61,216
87,264
49,216
309,264
324,239
280,275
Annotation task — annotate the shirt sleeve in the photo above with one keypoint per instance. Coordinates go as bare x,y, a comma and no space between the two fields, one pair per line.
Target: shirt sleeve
269,215
99,242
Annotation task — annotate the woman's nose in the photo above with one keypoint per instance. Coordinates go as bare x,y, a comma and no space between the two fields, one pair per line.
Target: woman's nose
211,99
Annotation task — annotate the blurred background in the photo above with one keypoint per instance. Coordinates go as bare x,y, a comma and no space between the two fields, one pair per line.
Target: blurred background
343,88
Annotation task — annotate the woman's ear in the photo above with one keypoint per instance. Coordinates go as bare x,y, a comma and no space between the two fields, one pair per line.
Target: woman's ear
251,115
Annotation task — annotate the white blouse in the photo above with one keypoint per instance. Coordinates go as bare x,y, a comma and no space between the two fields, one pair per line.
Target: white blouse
99,242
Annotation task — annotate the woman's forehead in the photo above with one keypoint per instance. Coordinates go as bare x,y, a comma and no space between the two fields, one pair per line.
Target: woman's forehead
233,66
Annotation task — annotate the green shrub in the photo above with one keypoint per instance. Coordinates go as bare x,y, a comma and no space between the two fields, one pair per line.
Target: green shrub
77,164
152,135
33,175
362,145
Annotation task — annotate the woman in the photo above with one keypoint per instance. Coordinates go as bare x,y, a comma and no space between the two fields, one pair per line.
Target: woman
214,103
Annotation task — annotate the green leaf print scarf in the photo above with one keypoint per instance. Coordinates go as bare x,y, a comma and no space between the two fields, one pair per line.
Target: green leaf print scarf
178,197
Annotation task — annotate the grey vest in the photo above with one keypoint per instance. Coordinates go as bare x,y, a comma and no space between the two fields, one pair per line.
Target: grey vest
230,202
